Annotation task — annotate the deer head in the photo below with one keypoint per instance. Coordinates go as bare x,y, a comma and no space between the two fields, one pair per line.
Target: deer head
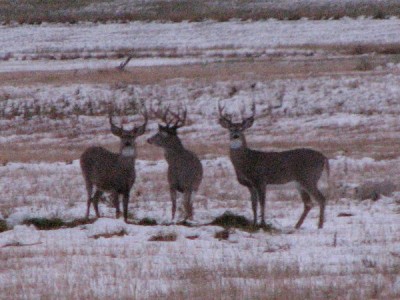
127,137
167,134
236,130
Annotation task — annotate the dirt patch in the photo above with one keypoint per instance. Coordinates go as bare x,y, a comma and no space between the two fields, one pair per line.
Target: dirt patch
240,69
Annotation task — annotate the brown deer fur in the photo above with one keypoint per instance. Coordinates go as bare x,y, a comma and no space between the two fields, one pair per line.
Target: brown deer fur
185,171
106,171
256,169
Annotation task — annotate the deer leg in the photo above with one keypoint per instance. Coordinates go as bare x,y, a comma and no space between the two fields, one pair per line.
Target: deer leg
321,201
115,200
307,207
321,212
188,205
254,200
317,195
125,202
261,199
89,189
95,200
173,200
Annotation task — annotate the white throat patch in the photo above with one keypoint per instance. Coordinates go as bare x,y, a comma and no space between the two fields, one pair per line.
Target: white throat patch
236,144
128,151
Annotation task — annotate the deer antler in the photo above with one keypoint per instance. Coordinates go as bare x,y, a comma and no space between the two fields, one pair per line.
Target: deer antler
179,120
162,114
253,113
225,120
171,119
114,128
137,130
248,122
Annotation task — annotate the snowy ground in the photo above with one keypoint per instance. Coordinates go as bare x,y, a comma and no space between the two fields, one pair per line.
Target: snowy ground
350,116
352,257
97,44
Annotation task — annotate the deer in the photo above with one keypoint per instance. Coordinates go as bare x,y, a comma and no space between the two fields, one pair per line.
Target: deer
185,171
256,169
106,171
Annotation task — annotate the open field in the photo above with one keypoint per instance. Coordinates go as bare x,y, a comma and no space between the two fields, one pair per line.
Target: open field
36,12
339,95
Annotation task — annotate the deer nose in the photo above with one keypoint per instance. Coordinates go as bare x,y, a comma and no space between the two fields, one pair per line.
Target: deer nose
235,135
149,140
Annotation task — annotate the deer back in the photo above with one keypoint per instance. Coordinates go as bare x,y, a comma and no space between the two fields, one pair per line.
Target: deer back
300,165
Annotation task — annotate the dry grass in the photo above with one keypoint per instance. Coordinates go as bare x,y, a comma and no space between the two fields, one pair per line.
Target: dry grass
366,144
228,272
56,152
164,237
241,69
36,12
356,141
226,278
357,48
110,235
270,282
57,223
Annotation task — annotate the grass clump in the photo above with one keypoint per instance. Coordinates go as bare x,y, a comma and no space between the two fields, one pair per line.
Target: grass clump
223,234
3,226
164,237
120,233
230,220
147,222
56,223
44,223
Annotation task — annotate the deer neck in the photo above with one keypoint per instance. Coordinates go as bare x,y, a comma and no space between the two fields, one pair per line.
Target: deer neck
238,153
238,144
128,153
174,150
174,146
238,150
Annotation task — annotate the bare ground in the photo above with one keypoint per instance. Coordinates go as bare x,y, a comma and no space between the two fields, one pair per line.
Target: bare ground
235,69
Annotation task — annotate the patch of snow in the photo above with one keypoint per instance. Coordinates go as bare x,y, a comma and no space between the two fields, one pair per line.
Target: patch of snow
106,226
20,235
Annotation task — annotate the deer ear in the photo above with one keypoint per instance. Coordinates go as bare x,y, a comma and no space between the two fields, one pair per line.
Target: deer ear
116,130
247,123
224,123
140,130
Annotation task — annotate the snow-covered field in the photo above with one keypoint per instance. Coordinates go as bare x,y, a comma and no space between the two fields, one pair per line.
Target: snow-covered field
352,117
100,45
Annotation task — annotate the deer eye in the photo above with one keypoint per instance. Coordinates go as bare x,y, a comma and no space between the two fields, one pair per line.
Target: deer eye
163,134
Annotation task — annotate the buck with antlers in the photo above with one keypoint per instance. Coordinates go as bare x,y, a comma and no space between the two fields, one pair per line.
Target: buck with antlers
106,171
185,171
256,169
